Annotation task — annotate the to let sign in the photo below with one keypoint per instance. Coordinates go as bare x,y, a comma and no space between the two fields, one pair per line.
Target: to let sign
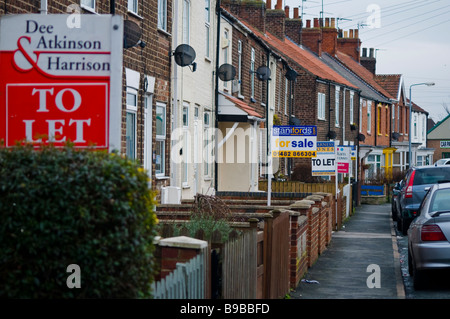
60,81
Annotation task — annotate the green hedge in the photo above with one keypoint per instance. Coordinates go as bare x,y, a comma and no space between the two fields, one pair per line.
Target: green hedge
64,206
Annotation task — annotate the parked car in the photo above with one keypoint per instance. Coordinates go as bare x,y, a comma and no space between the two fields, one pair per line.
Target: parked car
418,181
429,234
395,199
443,161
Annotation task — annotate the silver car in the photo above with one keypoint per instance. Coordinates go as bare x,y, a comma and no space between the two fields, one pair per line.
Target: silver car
429,234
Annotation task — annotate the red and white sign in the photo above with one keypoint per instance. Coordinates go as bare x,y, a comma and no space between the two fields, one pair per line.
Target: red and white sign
59,82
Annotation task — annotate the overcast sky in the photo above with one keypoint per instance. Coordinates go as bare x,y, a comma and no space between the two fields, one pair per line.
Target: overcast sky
411,37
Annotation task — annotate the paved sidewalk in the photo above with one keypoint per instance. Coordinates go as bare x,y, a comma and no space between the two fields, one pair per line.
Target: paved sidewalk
341,272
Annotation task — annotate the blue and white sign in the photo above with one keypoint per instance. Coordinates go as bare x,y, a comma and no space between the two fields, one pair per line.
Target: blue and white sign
294,141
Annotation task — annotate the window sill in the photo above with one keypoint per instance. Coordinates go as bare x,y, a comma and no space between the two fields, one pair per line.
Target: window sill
88,9
164,32
134,14
161,177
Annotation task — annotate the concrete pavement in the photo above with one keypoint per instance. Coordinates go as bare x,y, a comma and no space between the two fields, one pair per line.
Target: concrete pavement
361,261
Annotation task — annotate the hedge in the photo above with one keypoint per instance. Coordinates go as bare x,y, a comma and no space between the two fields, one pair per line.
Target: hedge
61,207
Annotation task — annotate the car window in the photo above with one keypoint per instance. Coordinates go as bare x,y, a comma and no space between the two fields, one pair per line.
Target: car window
440,200
431,176
425,202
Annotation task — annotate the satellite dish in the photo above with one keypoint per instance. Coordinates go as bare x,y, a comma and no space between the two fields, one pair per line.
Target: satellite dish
361,137
184,55
395,136
331,135
291,75
131,34
263,73
226,72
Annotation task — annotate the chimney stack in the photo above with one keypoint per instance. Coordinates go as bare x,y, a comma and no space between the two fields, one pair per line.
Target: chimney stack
350,45
369,61
275,20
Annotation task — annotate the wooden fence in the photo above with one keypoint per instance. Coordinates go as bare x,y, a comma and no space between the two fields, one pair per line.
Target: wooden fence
300,187
276,255
187,281
239,262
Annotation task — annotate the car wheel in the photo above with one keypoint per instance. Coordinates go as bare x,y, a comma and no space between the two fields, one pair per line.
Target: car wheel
404,228
418,276
410,265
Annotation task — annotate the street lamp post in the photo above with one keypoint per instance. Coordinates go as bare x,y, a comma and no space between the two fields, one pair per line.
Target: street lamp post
410,117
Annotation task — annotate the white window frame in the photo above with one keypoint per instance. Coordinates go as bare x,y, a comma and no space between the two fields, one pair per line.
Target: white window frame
161,139
321,106
336,106
207,143
239,66
208,27
185,114
162,15
252,75
352,100
148,102
186,21
133,6
132,87
286,95
88,4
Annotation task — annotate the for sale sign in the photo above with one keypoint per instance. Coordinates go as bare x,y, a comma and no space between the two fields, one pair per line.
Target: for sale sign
343,159
61,82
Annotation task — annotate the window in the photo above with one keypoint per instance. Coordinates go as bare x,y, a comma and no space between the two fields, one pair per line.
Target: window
162,15
239,66
89,4
360,114
352,120
186,21
415,126
398,118
131,135
207,143
393,119
336,107
185,114
160,139
424,128
132,84
133,6
207,26
369,116
252,73
379,119
286,95
321,106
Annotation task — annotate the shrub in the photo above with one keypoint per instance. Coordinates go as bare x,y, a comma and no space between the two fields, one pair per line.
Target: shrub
64,206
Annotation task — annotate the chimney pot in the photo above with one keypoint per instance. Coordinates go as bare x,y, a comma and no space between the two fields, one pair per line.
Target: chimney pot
296,15
279,5
351,33
286,11
308,23
333,22
316,22
371,52
327,22
364,52
269,4
345,34
356,34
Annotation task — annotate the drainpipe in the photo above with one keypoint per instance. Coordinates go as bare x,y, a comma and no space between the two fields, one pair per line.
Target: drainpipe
216,96
44,6
112,6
